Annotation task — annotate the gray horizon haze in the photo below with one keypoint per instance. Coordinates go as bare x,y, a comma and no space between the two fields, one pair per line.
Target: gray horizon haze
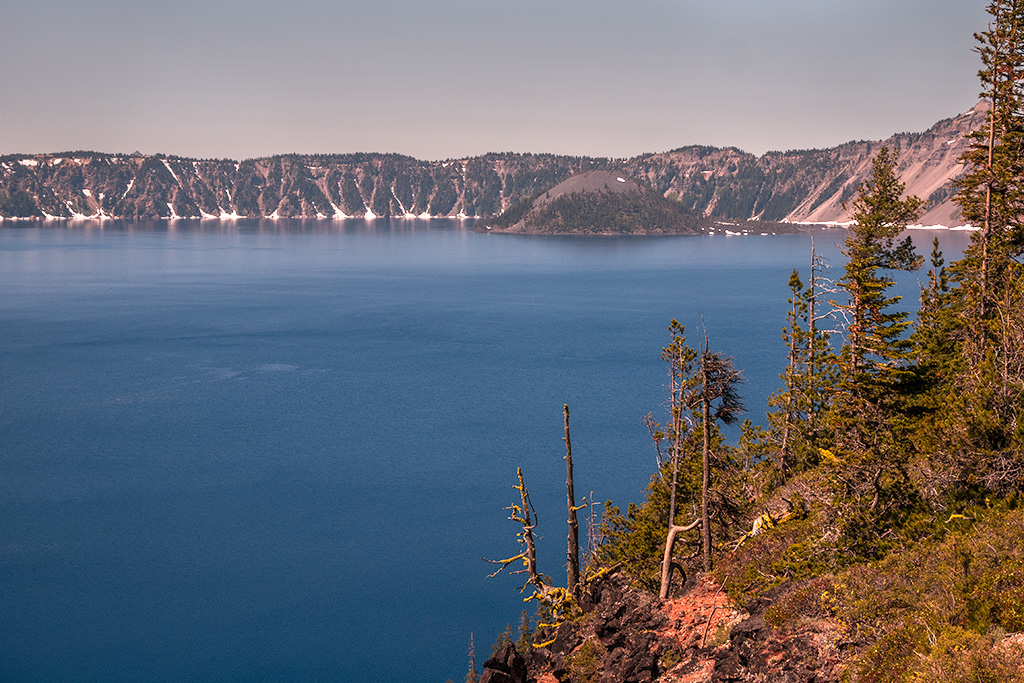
438,79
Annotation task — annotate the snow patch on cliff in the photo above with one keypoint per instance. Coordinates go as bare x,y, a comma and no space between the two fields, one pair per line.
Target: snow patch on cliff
171,170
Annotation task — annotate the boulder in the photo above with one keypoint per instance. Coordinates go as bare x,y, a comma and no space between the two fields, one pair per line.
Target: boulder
506,666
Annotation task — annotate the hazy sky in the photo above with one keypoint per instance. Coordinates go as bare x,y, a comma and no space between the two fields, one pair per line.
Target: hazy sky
441,79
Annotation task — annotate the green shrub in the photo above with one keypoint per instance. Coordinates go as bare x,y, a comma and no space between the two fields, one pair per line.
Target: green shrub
891,659
972,578
586,662
789,551
961,655
809,601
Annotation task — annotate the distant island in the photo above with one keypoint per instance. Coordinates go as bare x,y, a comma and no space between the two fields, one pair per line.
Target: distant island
704,185
599,202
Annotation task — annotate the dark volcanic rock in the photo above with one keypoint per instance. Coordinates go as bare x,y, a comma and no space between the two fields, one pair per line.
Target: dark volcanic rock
630,636
626,620
506,666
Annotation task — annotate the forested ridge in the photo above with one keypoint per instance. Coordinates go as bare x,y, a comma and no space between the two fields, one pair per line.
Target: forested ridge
873,530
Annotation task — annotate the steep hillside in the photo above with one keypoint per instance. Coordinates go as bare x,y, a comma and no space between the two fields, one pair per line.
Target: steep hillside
94,185
808,185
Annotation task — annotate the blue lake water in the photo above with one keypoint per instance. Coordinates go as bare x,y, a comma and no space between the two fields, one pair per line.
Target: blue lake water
277,450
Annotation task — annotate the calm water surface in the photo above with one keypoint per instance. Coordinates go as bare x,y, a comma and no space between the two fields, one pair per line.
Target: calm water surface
267,450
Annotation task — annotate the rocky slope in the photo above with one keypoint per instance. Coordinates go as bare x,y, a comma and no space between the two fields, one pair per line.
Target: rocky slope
811,185
717,183
627,636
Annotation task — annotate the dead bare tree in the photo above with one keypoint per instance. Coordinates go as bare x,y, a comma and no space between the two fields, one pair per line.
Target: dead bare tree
560,601
573,553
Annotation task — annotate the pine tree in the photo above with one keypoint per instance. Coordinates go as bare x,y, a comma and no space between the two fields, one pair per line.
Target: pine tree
866,419
972,336
875,346
525,640
991,192
682,399
720,402
935,347
788,400
808,375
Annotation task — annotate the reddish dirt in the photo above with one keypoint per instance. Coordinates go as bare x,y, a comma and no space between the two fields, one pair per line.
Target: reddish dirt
696,623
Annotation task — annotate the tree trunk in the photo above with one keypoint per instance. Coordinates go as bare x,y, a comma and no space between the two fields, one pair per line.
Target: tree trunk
986,228
573,554
528,523
666,561
790,383
706,458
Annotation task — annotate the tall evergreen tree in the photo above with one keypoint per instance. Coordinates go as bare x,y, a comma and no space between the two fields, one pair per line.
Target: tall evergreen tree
719,402
808,374
991,192
935,347
875,346
789,400
865,420
973,336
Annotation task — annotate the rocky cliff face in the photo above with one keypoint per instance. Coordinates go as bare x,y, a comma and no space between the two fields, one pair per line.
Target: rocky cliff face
811,185
717,183
93,185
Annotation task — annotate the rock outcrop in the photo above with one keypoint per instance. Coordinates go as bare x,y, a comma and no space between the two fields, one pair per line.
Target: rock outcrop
506,666
630,636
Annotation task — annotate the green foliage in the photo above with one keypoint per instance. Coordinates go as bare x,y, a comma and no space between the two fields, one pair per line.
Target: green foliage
513,214
972,577
791,551
910,450
635,541
921,653
991,192
806,602
863,435
602,212
525,640
892,658
971,337
957,654
874,347
755,445
18,203
809,377
669,658
586,663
